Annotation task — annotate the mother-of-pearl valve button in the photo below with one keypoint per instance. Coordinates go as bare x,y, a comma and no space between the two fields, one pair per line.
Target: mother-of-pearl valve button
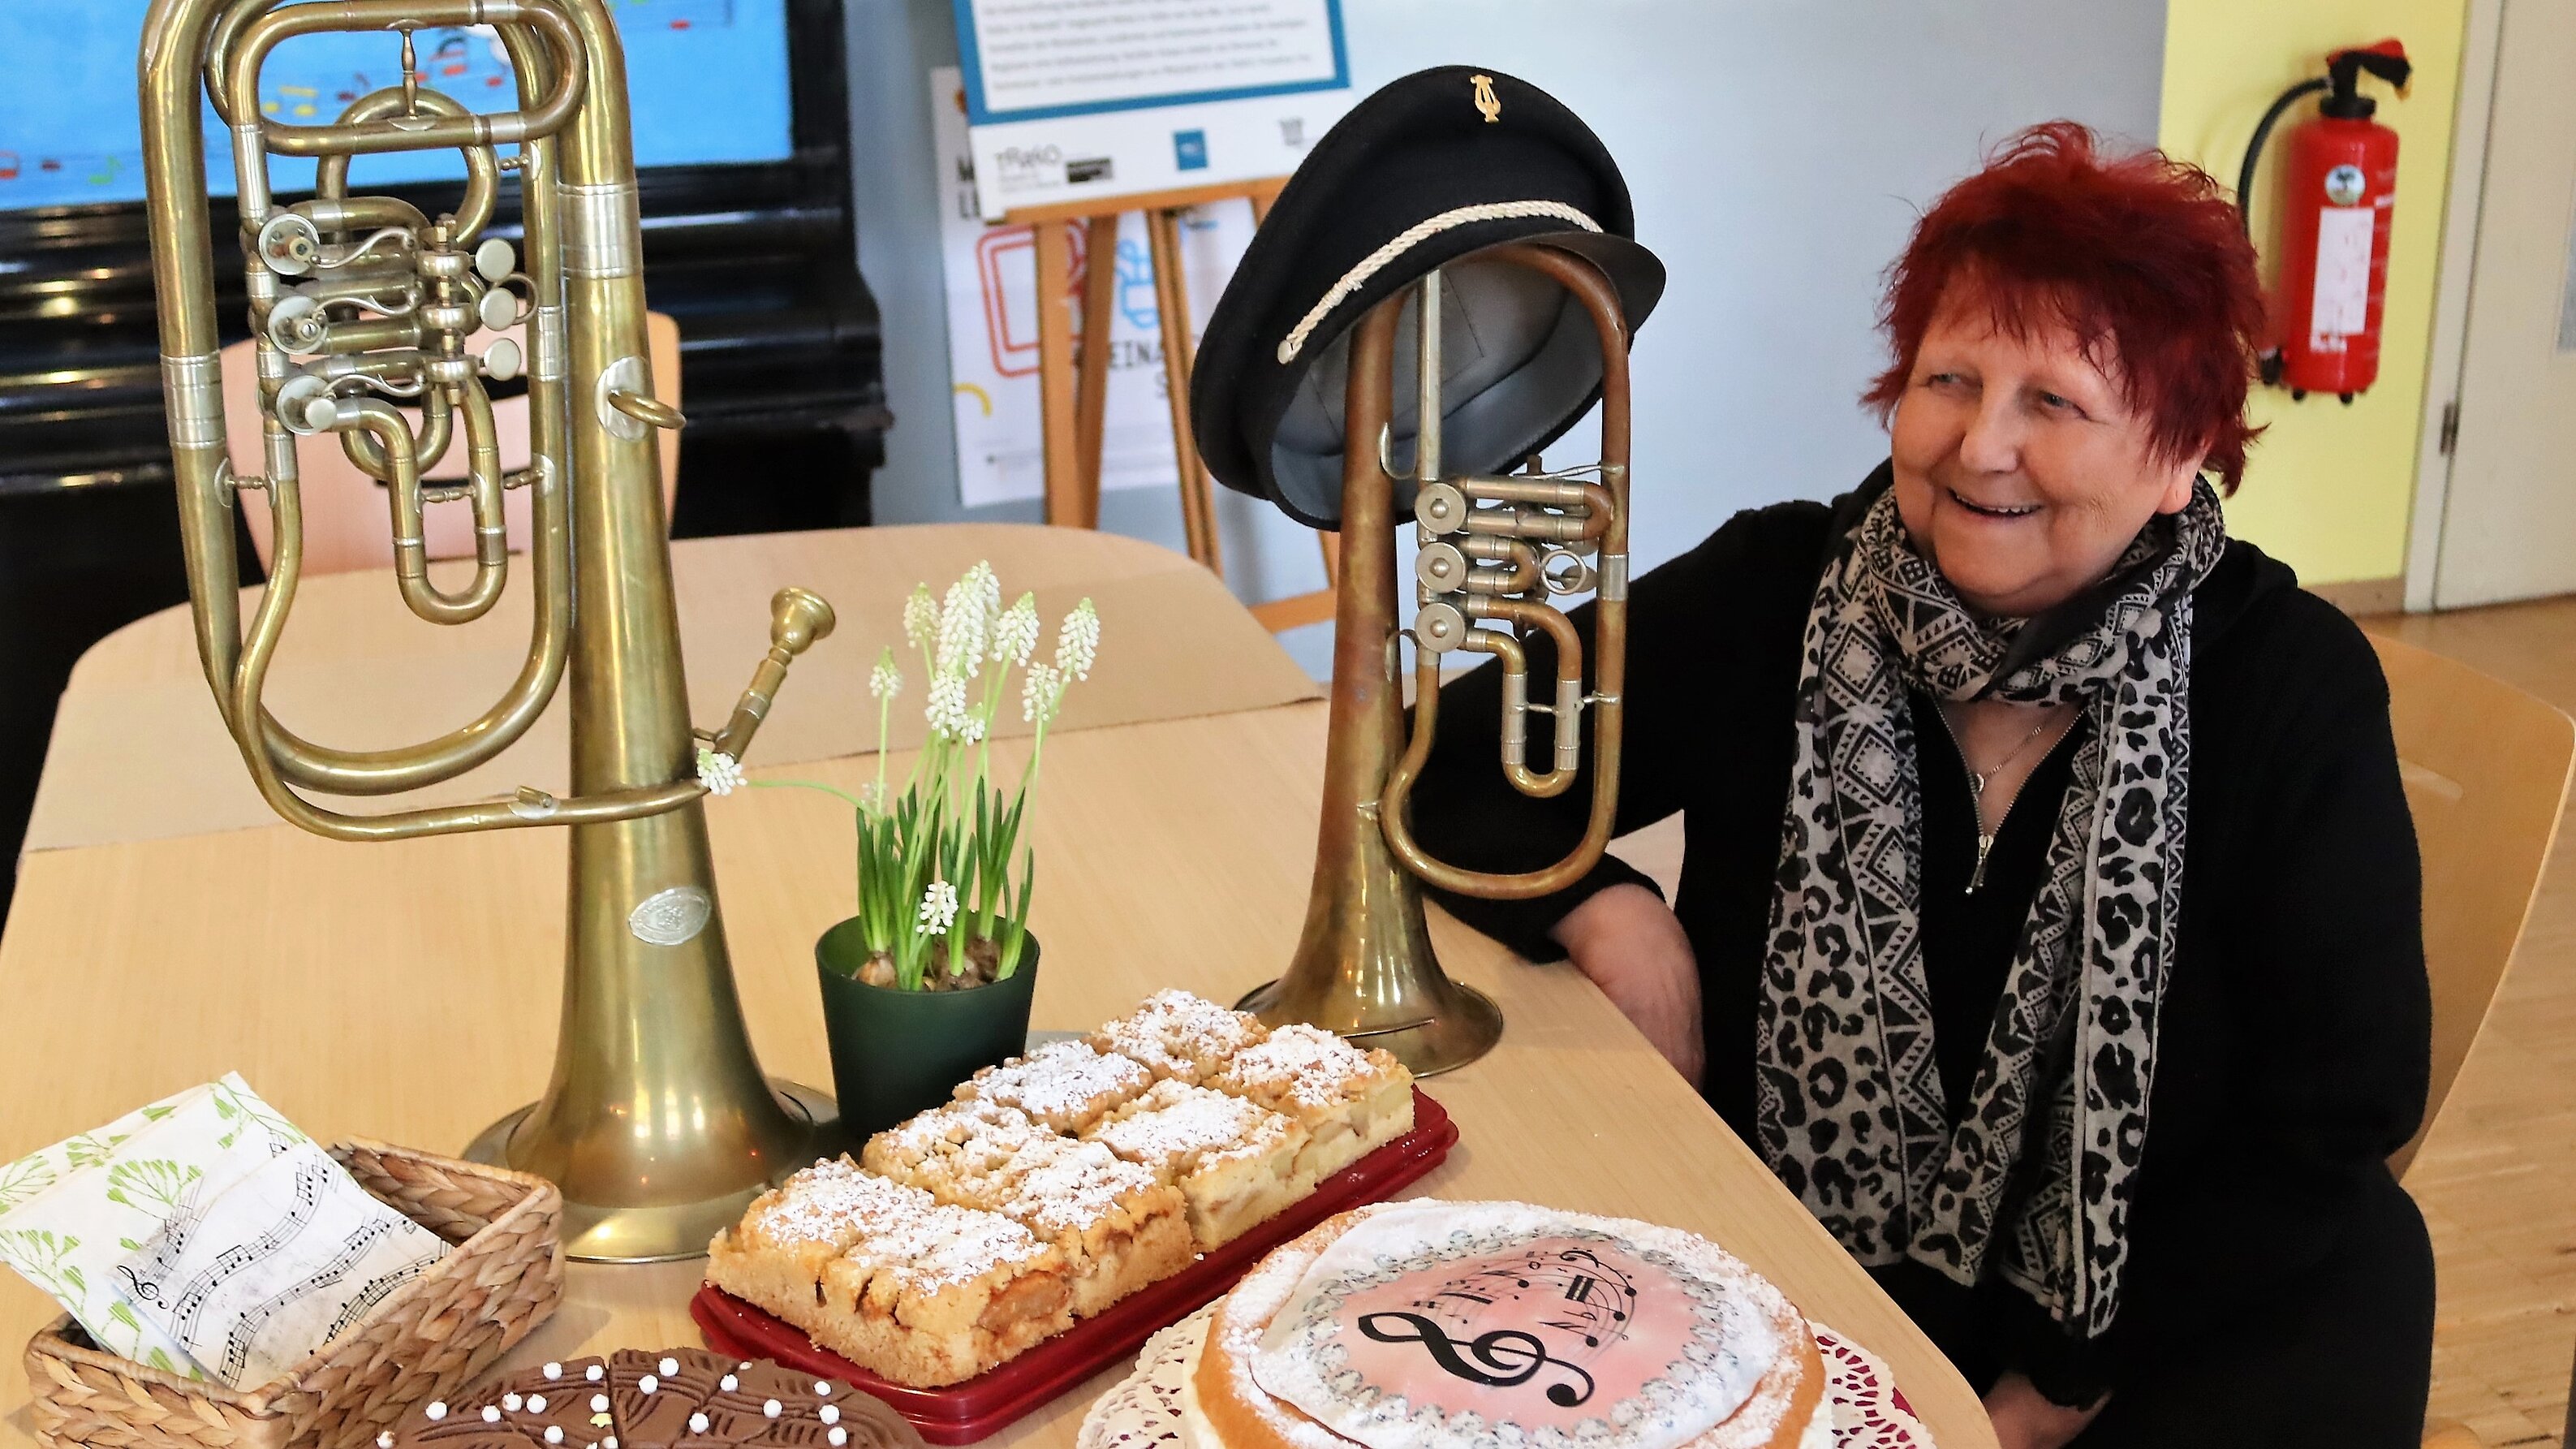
495,260
501,360
499,308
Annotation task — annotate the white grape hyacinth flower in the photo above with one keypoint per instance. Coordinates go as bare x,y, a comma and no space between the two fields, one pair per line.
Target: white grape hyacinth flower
966,620
885,681
1040,694
1015,636
1077,641
946,710
938,908
921,619
719,772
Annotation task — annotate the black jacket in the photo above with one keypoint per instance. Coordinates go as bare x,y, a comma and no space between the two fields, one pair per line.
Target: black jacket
2294,1044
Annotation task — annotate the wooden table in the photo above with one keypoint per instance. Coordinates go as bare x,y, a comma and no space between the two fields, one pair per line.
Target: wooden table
408,992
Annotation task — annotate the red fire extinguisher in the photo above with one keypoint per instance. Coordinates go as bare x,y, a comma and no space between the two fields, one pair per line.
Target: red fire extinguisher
2337,199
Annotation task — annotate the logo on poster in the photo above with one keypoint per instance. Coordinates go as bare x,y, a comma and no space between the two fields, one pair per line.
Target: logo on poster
1019,168
1189,150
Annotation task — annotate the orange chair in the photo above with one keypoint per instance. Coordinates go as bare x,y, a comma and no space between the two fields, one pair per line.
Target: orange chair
346,522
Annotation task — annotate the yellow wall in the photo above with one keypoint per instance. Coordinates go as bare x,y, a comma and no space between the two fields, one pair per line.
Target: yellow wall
2328,489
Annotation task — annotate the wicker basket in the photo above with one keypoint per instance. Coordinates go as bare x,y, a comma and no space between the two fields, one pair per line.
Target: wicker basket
426,1340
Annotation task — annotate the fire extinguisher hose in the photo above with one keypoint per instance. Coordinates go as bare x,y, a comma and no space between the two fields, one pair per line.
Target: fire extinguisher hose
2254,148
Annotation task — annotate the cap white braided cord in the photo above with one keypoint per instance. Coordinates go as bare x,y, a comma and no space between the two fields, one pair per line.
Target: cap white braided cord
1412,237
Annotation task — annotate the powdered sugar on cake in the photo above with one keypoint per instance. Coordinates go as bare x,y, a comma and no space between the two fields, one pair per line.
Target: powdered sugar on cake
1304,1065
1064,1084
1178,1036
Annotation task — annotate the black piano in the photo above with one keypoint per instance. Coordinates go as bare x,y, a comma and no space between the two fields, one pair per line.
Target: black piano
757,263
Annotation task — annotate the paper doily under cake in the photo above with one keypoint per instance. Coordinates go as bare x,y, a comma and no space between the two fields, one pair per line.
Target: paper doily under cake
1144,1410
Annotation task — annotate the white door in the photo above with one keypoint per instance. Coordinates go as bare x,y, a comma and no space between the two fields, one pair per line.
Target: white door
2509,520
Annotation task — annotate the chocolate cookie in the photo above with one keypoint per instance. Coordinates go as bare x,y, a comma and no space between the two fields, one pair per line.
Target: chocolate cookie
679,1398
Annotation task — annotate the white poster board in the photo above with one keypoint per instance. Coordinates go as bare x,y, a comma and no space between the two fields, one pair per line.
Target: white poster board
991,275
1076,100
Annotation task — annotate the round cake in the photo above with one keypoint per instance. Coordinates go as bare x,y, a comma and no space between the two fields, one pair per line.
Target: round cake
1444,1325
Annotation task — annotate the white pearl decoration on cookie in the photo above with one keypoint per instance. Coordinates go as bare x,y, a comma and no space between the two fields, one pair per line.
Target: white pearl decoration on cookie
670,1368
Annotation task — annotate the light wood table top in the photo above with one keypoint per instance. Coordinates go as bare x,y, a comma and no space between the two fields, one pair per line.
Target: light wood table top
138,750
408,992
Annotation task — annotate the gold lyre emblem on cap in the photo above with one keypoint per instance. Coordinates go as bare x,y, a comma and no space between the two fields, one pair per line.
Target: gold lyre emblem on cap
1487,104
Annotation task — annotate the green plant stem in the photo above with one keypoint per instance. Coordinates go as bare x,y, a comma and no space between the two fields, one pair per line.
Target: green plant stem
853,801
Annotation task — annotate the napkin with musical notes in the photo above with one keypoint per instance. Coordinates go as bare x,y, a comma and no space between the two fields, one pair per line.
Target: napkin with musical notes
254,1279
72,1215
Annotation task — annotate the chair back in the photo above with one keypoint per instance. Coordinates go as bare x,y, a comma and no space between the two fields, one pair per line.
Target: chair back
346,518
2485,768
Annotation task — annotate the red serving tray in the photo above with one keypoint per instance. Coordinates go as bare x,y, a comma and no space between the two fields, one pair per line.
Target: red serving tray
983,1405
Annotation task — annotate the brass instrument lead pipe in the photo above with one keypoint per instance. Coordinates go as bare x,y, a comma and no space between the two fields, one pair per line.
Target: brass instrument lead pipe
1610,623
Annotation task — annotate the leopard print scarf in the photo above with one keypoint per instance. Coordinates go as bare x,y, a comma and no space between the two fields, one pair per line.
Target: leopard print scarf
2034,1181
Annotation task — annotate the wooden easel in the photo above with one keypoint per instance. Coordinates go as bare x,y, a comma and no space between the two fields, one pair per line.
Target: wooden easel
1073,390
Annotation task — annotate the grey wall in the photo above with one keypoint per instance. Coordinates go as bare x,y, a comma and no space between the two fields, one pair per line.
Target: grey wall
1778,151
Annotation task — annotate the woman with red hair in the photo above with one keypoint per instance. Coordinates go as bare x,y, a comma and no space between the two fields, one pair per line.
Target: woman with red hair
2050,913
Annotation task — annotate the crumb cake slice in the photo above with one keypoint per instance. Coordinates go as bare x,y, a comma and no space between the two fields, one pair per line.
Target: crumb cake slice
1180,1037
1349,1101
916,1290
1118,1227
1234,1161
1065,1084
955,1138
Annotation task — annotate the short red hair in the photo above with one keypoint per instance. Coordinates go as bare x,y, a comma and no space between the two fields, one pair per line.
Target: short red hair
2141,255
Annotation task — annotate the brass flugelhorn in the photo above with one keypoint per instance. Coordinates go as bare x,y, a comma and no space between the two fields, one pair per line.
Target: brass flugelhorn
658,1123
1493,554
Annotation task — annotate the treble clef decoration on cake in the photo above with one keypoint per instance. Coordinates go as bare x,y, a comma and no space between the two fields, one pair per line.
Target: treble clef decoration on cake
1503,1359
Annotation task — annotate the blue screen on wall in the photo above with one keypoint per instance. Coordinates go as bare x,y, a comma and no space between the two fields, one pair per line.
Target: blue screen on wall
708,81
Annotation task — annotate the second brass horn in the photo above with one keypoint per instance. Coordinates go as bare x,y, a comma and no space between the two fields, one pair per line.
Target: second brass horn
1494,552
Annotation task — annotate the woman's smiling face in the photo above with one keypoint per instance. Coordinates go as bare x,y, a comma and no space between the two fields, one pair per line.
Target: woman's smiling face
2021,471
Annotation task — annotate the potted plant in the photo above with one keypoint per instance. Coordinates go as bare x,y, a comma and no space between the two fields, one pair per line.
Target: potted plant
932,978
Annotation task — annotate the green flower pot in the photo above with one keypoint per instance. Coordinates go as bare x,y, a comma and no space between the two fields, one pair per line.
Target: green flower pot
895,1053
